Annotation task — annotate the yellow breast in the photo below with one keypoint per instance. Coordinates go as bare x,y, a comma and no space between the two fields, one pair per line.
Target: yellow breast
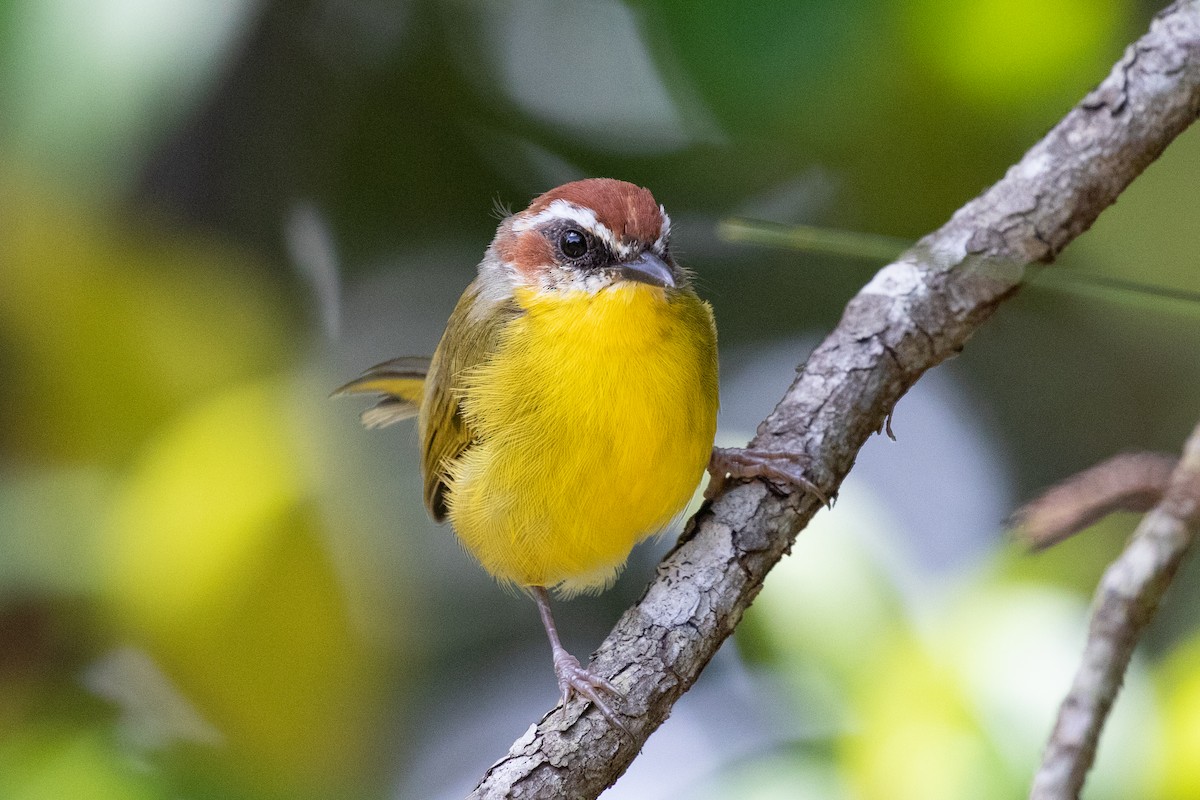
594,421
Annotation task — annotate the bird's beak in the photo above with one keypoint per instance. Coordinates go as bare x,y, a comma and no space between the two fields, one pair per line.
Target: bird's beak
647,268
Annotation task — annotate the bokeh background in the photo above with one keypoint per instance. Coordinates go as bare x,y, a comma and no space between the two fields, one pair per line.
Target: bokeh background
215,584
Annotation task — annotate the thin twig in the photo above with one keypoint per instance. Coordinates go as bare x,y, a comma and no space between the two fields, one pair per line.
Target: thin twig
1125,482
917,312
1125,602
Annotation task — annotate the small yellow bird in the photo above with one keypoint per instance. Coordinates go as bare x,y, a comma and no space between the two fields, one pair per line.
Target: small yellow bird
570,408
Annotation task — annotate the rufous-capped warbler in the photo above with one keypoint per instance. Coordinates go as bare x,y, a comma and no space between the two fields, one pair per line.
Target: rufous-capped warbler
569,410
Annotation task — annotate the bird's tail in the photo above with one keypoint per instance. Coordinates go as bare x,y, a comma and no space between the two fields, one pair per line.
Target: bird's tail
401,381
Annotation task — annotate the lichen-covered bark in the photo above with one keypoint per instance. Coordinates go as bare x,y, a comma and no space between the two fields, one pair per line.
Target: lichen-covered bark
914,314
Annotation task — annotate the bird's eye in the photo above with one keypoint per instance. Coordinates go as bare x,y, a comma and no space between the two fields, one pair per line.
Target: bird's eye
573,243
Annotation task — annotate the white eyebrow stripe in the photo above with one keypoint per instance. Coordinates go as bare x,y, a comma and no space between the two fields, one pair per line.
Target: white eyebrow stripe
583,217
660,243
561,210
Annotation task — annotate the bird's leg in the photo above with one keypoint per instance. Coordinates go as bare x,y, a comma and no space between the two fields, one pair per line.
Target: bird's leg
573,678
782,466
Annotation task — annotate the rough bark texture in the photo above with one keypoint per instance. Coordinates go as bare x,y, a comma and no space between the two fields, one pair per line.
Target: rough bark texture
1126,600
914,314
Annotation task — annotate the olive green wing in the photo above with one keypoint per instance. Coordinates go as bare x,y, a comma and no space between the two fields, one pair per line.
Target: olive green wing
401,381
472,336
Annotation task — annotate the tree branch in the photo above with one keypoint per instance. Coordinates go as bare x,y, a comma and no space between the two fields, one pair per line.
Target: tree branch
1125,482
1125,602
914,314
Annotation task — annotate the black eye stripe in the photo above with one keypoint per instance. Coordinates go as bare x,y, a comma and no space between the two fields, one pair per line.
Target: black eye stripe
578,248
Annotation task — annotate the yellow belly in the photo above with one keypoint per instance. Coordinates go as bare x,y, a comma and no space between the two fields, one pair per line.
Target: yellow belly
594,422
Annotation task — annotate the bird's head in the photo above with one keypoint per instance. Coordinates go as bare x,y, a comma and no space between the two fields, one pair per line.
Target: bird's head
584,236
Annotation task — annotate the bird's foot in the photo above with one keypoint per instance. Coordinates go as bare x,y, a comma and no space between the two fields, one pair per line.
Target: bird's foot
575,680
779,466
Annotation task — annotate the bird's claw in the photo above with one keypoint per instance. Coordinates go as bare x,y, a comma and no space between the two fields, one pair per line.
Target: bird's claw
575,680
780,466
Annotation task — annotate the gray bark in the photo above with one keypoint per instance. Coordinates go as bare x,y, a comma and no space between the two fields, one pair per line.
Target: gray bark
1128,596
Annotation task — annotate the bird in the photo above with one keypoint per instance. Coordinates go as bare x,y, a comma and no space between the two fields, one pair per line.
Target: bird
570,407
